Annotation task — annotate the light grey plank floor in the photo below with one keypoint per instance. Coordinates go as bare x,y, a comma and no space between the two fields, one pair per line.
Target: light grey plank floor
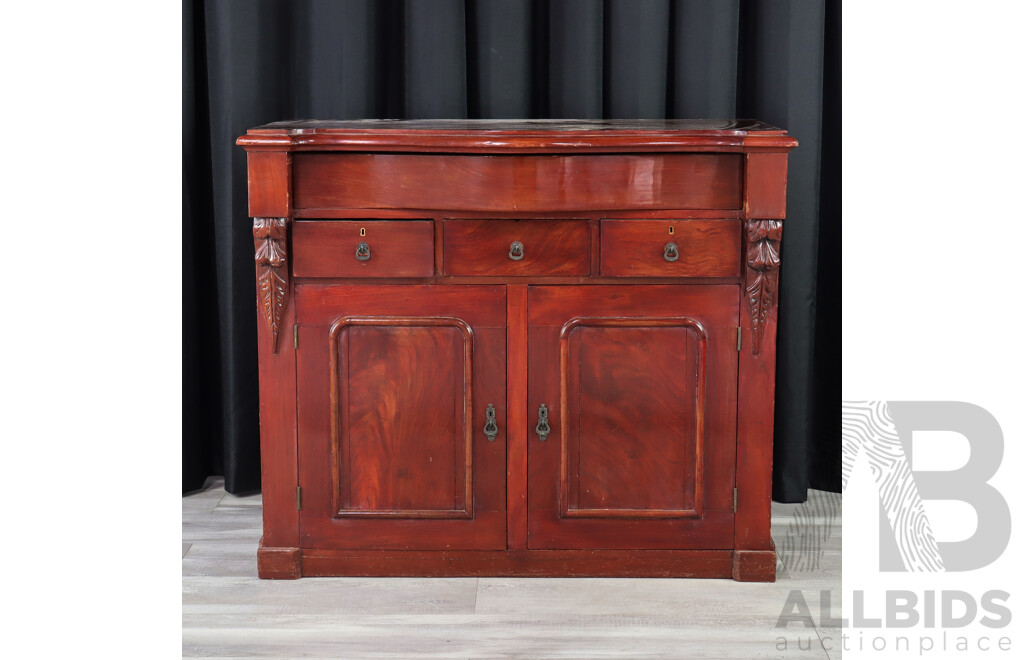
228,612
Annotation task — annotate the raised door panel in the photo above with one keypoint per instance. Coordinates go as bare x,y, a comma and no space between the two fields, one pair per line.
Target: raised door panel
639,384
632,394
402,388
392,408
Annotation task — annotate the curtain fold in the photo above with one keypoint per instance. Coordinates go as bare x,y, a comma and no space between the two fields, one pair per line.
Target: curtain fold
499,44
249,63
576,60
635,58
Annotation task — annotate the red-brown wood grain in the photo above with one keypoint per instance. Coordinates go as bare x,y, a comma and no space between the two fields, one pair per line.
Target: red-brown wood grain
656,410
518,364
413,377
278,454
755,429
637,248
549,247
270,184
477,305
402,248
631,450
765,194
519,136
554,312
269,176
402,444
525,183
717,304
278,563
513,214
543,563
754,565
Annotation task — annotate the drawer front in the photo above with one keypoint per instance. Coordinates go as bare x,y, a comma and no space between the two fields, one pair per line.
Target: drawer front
670,248
363,248
530,184
517,247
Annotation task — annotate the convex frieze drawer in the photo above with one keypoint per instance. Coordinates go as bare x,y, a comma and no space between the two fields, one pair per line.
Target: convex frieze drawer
538,348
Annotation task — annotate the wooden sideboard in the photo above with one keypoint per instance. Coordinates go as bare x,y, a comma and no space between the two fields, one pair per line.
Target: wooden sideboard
538,348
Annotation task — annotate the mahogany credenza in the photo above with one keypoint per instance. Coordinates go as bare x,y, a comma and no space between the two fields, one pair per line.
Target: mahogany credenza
539,348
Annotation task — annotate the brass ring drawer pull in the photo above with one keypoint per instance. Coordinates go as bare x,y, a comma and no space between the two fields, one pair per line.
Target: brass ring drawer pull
515,251
671,251
363,251
543,428
491,427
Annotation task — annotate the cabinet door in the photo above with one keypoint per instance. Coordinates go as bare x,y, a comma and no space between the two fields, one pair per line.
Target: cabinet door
396,386
639,384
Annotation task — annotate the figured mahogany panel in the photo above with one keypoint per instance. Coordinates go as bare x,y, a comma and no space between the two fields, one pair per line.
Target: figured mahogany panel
633,377
516,247
633,415
391,442
363,248
520,183
670,248
401,396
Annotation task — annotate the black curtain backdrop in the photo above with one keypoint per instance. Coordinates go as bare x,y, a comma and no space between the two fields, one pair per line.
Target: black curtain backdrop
251,62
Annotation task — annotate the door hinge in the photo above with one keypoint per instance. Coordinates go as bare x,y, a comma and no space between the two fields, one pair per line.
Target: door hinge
295,336
735,498
739,338
298,498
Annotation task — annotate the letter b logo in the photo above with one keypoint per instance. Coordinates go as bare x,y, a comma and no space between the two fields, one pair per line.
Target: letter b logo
883,431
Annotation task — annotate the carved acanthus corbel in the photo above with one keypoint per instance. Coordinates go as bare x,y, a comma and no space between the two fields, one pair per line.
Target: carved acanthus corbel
271,238
762,274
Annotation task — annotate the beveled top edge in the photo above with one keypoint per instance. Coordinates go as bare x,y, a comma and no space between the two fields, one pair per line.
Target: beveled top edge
730,126
518,136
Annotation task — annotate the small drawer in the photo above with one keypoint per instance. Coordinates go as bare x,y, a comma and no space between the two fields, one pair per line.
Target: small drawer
517,247
670,248
363,248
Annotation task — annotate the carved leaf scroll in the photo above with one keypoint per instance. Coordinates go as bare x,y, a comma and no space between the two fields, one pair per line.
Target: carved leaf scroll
763,237
270,236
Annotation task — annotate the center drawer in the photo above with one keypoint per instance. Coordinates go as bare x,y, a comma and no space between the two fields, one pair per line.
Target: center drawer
517,247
